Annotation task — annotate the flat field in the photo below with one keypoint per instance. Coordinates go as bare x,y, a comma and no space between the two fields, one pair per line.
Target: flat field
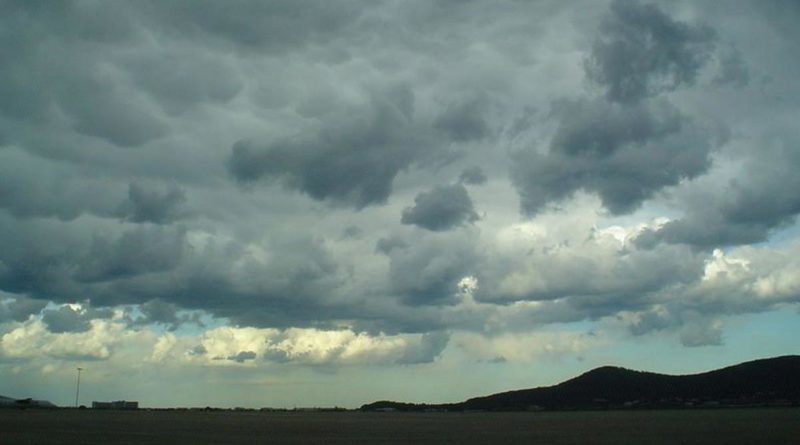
721,426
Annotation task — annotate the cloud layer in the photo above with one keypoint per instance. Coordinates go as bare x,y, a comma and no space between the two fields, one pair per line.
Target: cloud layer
293,183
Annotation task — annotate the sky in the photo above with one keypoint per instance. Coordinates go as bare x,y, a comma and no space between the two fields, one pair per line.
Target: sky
296,203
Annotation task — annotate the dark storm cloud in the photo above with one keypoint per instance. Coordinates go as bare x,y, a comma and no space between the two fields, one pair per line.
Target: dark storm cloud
274,26
115,116
732,70
145,204
747,210
351,162
19,308
46,260
49,261
427,270
163,313
386,245
35,256
157,311
67,319
625,154
52,67
641,51
472,176
290,288
442,208
590,280
99,110
96,103
464,122
133,253
630,146
181,78
31,187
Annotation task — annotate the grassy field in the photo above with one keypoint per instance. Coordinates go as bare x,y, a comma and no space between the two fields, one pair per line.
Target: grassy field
746,426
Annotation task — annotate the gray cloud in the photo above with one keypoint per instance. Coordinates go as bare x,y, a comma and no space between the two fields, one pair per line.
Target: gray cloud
464,122
472,176
167,314
428,270
111,115
746,211
732,70
146,204
592,280
276,26
19,308
151,103
441,208
180,78
286,290
701,333
629,146
242,356
31,187
352,232
386,245
694,329
67,319
642,51
133,253
427,350
625,154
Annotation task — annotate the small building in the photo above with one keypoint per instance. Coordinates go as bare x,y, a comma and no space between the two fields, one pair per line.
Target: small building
118,404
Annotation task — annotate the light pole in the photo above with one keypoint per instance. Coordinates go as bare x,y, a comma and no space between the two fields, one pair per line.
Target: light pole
78,387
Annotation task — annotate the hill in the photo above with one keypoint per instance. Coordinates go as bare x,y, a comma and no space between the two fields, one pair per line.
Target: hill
774,381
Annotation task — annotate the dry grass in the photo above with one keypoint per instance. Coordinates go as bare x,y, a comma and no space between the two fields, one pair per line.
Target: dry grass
754,426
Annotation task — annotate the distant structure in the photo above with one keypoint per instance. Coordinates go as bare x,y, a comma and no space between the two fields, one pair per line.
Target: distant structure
8,402
119,404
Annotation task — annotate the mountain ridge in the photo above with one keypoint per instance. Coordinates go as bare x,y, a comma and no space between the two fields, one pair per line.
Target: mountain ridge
762,382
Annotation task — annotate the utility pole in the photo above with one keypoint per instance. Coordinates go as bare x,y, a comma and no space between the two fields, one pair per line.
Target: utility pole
78,387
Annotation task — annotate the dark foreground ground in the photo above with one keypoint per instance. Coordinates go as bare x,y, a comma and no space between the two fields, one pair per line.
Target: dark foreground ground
723,426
